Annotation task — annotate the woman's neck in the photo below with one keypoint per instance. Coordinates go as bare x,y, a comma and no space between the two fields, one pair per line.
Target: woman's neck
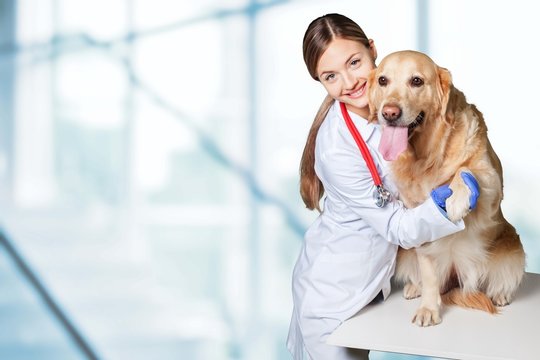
362,112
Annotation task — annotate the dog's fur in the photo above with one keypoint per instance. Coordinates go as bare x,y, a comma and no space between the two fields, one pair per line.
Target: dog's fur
482,266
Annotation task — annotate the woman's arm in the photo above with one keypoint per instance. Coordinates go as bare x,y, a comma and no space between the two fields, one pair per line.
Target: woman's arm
349,180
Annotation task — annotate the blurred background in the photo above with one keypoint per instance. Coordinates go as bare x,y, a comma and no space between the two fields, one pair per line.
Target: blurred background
149,153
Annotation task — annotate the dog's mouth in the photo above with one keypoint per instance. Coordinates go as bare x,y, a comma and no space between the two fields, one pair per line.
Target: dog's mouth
395,139
417,122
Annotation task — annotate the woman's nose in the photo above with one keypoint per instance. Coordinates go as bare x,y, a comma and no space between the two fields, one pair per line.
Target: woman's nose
350,81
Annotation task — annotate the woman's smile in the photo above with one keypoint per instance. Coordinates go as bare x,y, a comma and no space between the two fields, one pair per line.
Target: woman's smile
358,92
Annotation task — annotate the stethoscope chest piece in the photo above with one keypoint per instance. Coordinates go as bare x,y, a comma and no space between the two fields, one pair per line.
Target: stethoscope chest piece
381,196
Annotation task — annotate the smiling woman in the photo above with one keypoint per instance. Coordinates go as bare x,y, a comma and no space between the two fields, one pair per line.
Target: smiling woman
354,240
343,70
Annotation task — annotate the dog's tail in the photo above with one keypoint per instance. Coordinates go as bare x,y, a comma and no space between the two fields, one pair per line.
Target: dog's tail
473,300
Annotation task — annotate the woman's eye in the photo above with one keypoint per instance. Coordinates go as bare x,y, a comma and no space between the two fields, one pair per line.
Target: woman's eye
330,77
383,81
416,81
355,62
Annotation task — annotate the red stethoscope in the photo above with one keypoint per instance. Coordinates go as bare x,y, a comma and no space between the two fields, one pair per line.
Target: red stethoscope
380,195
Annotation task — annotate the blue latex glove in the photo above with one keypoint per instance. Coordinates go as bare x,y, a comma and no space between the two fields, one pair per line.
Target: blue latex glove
440,194
471,182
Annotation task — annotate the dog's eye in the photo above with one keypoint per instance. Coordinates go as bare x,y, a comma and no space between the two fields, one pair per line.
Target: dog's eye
416,81
383,81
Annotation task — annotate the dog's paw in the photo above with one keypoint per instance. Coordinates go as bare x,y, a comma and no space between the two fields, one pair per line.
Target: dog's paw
501,300
411,291
458,205
426,317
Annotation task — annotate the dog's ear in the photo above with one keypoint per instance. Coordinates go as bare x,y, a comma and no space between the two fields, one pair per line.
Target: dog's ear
371,96
444,87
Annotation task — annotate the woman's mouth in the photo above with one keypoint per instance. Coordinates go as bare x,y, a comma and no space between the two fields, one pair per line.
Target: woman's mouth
357,92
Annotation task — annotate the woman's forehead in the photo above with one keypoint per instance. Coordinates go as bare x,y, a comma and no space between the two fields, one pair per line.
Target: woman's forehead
338,52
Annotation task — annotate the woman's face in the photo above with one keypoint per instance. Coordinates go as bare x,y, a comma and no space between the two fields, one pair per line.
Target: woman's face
343,70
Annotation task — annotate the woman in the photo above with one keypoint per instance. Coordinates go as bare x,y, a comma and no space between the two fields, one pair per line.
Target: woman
348,254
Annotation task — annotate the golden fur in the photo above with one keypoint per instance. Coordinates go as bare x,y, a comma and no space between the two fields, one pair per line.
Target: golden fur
485,261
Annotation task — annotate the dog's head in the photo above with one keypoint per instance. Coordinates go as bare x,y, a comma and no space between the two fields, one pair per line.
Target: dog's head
406,91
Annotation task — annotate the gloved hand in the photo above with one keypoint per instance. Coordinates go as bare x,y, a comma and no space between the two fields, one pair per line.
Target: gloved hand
471,182
440,194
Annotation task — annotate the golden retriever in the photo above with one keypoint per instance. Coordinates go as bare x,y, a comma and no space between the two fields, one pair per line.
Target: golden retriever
482,266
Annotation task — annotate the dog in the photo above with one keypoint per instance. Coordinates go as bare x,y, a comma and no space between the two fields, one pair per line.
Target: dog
435,136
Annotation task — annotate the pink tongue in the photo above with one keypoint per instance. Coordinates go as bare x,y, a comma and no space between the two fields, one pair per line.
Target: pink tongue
393,142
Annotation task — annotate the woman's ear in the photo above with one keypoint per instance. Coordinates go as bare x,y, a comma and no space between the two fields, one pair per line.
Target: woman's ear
444,87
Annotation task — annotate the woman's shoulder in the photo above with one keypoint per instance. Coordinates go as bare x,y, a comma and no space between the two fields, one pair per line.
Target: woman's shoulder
330,126
333,139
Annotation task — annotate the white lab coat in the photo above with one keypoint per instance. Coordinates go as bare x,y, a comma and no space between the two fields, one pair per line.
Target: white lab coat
348,254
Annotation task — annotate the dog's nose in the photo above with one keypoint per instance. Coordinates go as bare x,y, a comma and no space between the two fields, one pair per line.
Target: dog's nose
391,112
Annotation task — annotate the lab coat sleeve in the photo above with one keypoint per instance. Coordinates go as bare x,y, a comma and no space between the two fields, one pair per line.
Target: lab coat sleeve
347,178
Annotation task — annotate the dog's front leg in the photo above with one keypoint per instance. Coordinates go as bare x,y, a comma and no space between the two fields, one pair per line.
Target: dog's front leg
429,312
458,204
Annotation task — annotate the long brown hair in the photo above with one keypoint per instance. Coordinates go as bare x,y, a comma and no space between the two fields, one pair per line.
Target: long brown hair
317,38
